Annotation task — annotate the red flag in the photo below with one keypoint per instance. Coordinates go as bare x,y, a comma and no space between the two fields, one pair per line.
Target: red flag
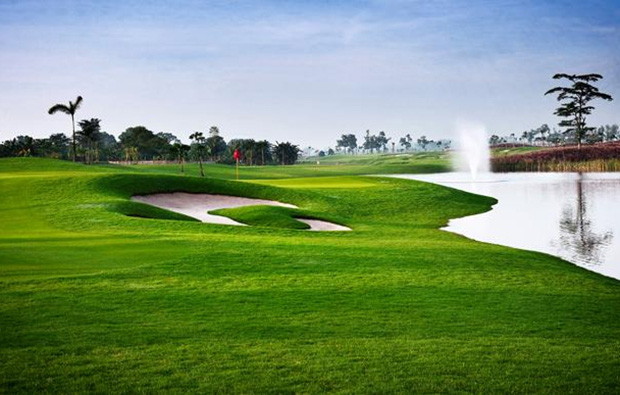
236,154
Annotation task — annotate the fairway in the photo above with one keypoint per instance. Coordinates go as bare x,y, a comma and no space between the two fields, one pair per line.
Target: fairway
99,293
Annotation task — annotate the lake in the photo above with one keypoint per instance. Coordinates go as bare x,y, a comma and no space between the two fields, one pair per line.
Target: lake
570,215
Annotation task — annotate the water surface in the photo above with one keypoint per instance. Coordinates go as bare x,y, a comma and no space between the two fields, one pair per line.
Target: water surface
570,215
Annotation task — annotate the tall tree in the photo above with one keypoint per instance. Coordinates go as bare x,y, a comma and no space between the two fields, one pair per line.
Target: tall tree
423,142
149,145
381,141
89,135
199,141
248,147
372,142
180,151
108,147
286,153
348,142
263,148
214,131
405,142
544,131
575,101
216,146
70,110
57,145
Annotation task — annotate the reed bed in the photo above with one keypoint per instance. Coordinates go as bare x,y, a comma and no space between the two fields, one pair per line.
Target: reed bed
594,158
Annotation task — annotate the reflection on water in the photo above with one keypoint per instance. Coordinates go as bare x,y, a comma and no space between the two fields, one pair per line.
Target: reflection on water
577,235
571,215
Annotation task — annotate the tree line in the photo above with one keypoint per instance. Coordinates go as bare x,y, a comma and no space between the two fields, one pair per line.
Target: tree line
90,144
348,143
545,136
137,143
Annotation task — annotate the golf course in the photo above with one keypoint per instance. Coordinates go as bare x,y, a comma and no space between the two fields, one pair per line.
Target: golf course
103,294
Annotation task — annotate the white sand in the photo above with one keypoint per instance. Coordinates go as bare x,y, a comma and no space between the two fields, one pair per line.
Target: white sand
316,224
199,205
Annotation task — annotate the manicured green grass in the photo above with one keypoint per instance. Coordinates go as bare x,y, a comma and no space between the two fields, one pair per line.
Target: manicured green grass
336,165
267,216
95,300
507,151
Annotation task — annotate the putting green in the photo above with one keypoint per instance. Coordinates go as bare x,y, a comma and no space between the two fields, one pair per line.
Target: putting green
102,294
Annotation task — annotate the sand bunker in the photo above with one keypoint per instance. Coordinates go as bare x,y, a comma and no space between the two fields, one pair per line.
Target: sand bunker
199,205
316,224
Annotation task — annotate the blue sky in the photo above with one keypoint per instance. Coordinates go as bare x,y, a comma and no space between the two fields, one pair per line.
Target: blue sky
301,71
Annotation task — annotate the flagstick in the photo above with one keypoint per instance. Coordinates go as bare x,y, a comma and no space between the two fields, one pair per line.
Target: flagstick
237,169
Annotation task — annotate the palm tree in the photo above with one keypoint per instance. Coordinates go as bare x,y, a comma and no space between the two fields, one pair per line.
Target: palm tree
181,150
70,109
264,148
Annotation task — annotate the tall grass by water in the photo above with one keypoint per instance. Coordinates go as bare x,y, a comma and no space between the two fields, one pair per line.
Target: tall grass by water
594,158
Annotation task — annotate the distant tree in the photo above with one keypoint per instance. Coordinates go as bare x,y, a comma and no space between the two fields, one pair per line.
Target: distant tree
575,101
286,153
109,149
494,140
57,145
149,145
70,110
180,151
555,137
6,149
611,132
446,144
263,149
19,146
368,141
348,142
199,145
423,142
231,146
543,131
405,142
512,138
528,136
382,141
167,137
321,154
216,145
130,154
248,146
330,151
373,142
89,136
214,131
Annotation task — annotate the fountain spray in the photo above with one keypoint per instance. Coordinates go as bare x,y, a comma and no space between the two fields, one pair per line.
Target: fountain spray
473,153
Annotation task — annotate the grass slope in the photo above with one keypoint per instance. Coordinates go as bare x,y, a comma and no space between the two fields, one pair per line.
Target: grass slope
93,300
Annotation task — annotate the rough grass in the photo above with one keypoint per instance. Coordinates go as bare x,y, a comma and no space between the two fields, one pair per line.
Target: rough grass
93,300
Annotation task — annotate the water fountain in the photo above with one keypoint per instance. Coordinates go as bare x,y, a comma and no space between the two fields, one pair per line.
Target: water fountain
473,154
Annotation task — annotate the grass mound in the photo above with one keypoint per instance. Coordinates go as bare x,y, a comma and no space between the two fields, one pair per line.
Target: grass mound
266,216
